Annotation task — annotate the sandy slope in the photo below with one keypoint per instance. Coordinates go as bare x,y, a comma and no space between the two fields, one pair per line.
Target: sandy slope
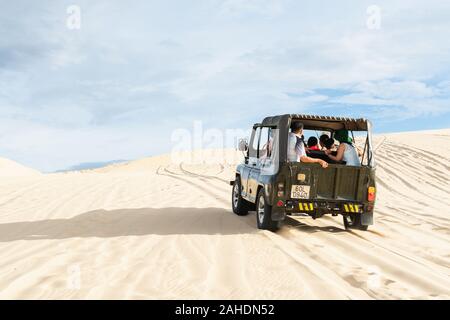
10,168
155,229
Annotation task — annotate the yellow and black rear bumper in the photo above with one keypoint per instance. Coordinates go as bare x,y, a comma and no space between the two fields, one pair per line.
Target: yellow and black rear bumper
352,208
318,208
325,207
306,206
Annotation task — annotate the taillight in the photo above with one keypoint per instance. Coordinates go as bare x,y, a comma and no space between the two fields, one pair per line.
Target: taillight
371,194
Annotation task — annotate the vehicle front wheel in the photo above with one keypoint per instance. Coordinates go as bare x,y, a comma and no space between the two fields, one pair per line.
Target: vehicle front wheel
353,221
239,204
264,213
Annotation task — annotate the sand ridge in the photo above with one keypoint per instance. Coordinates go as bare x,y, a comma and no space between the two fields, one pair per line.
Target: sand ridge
10,168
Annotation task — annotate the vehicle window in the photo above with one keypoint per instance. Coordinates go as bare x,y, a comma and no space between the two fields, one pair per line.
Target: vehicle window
256,139
253,148
273,143
269,161
264,143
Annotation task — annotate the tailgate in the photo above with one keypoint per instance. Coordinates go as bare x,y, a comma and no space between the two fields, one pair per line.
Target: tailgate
337,182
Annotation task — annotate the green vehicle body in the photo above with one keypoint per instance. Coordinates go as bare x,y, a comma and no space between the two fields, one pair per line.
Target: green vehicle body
337,190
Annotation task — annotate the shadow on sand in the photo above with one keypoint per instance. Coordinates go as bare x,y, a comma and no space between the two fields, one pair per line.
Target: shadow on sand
303,227
141,222
129,222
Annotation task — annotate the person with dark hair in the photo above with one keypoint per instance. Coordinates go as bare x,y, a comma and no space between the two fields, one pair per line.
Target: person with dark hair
329,144
296,147
324,137
313,144
346,150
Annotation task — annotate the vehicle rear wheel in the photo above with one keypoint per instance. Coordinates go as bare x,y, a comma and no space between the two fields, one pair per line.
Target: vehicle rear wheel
239,204
264,213
353,221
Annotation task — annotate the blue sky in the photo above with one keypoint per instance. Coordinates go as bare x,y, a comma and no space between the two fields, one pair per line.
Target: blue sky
135,71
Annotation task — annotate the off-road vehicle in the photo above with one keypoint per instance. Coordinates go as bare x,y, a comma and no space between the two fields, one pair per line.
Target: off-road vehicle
274,187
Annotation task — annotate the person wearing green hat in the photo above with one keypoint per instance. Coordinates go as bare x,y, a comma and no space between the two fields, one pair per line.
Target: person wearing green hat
346,151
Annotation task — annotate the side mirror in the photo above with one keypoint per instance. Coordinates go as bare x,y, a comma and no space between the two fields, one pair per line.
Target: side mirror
243,145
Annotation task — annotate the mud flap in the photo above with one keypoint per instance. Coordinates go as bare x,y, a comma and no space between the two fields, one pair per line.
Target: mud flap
278,215
367,218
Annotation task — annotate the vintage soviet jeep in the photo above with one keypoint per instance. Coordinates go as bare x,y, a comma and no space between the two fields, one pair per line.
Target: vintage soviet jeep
275,187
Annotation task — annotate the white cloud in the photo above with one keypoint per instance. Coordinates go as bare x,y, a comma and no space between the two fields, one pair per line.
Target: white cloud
228,63
410,98
261,7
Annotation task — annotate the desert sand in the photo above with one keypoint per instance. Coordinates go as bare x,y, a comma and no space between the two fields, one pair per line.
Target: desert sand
10,168
159,229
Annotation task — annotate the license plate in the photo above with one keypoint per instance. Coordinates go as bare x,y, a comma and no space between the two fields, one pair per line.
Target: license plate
300,192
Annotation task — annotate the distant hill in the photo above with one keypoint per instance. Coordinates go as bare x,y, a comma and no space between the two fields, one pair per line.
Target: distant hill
91,165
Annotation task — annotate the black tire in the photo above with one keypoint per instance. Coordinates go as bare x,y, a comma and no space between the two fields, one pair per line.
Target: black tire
239,204
264,213
353,221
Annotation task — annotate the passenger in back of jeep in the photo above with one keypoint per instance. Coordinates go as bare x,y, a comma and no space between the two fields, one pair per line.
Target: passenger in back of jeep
296,150
330,149
329,144
346,150
324,137
313,144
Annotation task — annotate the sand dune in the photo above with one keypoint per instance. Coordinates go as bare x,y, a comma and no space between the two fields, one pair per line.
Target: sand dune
10,168
153,228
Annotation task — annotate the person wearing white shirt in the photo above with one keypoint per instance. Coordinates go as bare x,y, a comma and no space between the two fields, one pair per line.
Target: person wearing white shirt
296,148
346,150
